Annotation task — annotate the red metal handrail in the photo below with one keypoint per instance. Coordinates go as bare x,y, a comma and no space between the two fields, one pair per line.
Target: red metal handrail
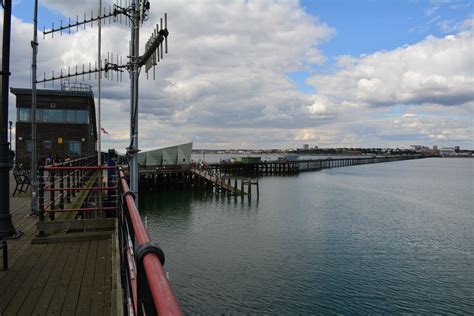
163,297
47,209
49,189
55,168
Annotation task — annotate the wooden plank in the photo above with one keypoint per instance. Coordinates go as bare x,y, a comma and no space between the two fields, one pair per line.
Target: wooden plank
16,289
26,300
72,237
15,271
102,223
116,299
41,307
100,276
16,251
61,289
68,289
87,284
108,278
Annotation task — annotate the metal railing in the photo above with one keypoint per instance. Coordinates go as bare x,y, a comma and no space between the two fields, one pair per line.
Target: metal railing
64,181
146,286
91,191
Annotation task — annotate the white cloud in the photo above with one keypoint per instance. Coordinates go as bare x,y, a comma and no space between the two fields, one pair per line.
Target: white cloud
224,82
436,70
226,67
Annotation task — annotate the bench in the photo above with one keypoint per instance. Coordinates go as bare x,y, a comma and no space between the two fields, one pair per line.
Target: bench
22,179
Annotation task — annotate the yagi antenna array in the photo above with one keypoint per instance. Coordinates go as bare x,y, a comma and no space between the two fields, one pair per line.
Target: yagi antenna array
154,47
114,15
87,70
151,57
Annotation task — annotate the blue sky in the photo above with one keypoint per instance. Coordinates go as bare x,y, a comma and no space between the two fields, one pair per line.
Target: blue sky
367,26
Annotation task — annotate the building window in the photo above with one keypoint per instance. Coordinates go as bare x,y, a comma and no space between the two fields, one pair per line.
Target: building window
77,116
53,116
82,117
47,144
74,148
24,114
28,146
70,116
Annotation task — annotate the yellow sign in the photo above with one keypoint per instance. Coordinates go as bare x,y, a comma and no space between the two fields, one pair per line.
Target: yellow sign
60,140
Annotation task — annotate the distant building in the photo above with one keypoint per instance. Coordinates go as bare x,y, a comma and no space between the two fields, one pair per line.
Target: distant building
66,124
306,147
416,147
435,148
447,151
456,149
174,155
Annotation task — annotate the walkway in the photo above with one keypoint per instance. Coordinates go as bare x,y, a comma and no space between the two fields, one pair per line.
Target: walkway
56,278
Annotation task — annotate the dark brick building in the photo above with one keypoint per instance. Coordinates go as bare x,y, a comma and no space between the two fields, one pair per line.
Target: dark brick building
65,124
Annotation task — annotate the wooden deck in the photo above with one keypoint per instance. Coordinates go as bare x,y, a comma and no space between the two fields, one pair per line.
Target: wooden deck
70,278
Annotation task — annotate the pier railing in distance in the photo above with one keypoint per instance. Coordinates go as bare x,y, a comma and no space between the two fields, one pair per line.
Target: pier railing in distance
77,187
146,286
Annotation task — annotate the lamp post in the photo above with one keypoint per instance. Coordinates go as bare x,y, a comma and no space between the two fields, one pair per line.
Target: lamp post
7,230
10,123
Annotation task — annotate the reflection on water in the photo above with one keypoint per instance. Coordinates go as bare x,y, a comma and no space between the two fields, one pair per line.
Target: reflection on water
383,238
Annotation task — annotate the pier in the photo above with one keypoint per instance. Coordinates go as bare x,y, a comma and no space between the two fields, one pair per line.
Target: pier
238,178
296,166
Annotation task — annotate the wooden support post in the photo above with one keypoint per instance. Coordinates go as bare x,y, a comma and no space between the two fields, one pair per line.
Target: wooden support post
249,193
258,191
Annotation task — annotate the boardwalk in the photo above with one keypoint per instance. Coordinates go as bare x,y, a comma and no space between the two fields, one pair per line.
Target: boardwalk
221,183
70,278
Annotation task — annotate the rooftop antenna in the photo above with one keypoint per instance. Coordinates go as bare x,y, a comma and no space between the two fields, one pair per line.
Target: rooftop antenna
135,12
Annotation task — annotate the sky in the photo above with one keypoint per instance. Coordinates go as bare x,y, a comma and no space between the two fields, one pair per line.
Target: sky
276,74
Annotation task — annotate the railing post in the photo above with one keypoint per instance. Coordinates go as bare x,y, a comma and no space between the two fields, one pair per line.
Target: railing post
68,185
52,197
41,194
41,198
61,186
76,177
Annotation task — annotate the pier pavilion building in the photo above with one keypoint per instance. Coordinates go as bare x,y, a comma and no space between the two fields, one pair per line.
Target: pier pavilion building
66,123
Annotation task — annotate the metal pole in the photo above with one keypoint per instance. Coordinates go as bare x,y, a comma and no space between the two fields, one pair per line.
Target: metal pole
10,127
34,160
99,136
7,230
134,98
99,125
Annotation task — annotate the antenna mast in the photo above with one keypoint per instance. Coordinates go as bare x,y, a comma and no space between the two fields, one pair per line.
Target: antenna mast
135,12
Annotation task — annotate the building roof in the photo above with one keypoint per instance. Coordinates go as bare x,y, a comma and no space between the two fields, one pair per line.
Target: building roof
22,91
